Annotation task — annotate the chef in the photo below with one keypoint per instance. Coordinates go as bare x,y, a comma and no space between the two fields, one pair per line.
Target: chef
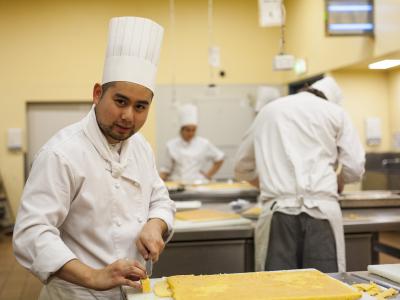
94,207
291,151
188,155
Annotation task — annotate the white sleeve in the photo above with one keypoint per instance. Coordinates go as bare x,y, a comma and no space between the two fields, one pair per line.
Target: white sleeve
245,161
44,206
214,153
351,151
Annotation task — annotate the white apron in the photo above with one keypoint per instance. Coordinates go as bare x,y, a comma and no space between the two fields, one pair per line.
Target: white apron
58,289
329,207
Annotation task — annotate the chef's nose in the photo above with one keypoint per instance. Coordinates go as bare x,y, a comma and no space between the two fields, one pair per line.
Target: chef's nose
128,114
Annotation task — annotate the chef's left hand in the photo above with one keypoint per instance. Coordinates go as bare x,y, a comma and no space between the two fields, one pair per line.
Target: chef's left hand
150,242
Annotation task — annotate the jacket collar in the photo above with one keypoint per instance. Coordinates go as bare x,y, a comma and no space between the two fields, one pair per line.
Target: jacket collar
99,141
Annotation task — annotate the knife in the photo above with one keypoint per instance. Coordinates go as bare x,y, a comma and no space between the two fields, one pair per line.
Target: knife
123,295
149,267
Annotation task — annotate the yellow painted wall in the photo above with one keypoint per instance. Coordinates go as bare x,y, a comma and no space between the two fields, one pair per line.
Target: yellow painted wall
394,101
54,50
306,37
366,94
387,24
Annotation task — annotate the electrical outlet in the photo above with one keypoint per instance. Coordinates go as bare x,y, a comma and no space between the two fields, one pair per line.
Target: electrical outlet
283,62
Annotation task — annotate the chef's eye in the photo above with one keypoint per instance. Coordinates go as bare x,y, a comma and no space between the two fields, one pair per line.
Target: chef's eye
141,107
120,102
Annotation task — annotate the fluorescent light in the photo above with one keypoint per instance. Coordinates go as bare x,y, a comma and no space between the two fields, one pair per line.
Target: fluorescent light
350,8
385,64
357,26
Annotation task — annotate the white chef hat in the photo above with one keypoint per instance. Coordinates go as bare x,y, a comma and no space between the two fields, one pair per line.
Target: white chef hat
265,94
188,115
330,88
133,51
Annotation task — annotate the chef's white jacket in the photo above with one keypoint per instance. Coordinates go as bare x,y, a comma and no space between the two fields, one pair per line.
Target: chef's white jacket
186,160
293,147
79,203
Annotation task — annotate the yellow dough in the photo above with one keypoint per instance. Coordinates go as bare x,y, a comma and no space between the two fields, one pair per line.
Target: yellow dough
282,285
387,294
146,285
161,289
375,290
171,185
205,215
254,211
371,288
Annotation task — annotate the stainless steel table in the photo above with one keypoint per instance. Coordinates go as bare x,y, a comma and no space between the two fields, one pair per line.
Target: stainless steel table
230,249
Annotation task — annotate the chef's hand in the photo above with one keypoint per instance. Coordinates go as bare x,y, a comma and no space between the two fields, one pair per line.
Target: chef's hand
150,242
121,272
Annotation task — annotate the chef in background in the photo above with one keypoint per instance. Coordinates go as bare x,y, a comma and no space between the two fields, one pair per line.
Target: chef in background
189,154
291,151
94,207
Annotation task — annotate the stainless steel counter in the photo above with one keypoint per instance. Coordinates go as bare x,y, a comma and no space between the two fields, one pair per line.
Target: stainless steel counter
371,219
216,196
231,249
362,199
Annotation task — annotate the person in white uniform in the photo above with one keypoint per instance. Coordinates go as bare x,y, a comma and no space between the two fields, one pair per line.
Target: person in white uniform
188,155
94,207
291,151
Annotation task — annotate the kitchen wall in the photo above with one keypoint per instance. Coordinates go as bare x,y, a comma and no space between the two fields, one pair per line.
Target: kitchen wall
306,38
54,50
366,94
394,102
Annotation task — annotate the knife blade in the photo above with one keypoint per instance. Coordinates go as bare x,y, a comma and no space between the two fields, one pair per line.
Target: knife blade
123,295
149,267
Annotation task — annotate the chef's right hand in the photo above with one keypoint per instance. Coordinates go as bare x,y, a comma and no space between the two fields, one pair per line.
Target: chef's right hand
120,272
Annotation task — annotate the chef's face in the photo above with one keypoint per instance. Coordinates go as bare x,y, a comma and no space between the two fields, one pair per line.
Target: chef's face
188,132
121,109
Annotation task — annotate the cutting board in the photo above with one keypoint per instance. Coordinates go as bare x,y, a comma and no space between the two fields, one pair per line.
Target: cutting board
133,294
389,271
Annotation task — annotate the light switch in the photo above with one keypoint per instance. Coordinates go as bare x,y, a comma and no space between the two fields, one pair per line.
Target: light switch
373,131
270,13
214,58
14,139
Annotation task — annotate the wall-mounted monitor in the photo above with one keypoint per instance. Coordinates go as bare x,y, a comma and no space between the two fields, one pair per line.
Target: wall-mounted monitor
349,17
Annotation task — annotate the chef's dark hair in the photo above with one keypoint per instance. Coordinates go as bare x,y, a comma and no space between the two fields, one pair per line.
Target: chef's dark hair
105,87
313,91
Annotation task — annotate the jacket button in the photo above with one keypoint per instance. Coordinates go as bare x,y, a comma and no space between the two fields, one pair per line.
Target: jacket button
117,185
118,223
140,220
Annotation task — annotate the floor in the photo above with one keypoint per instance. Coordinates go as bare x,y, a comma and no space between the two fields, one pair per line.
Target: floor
18,284
15,282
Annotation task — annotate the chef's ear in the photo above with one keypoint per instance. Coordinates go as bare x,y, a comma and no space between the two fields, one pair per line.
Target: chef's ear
97,93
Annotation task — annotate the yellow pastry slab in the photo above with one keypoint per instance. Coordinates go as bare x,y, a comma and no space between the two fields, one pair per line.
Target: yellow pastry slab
282,285
205,215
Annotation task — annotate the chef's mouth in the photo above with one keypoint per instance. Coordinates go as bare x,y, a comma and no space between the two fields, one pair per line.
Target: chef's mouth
124,127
